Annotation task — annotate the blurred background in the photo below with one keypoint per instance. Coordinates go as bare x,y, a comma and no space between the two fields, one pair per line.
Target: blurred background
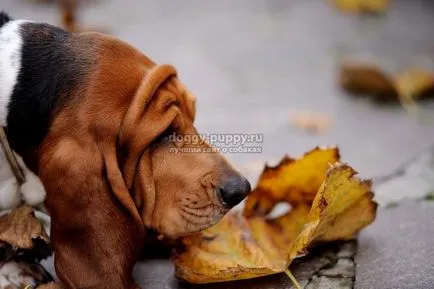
272,67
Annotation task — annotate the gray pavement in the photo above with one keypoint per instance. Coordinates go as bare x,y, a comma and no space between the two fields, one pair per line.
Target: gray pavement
250,63
414,180
396,252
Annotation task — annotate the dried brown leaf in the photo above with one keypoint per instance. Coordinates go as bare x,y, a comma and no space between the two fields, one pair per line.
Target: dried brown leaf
369,80
21,233
20,228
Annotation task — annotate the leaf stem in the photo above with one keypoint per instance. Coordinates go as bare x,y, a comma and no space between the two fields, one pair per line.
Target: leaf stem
294,281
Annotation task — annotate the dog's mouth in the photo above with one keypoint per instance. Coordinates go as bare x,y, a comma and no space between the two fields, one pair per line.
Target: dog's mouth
202,207
199,216
200,219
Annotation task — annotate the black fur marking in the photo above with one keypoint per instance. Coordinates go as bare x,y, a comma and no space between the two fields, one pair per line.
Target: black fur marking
4,18
50,70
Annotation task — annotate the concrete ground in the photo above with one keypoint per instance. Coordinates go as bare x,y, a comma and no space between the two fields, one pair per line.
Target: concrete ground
387,260
251,62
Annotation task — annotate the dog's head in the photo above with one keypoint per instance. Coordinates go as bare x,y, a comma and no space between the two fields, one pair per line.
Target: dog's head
180,184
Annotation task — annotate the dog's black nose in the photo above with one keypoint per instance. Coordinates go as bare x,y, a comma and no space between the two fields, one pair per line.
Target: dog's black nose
234,190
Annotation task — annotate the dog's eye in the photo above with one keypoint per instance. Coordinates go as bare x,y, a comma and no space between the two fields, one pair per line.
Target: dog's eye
167,136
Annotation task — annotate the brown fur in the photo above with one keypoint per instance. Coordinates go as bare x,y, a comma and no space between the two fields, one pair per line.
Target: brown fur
107,177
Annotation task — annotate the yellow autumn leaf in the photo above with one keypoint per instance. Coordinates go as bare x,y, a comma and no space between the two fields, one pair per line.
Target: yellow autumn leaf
362,6
292,180
414,83
242,248
341,209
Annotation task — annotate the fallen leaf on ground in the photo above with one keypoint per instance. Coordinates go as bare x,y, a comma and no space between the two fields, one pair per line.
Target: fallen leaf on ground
362,6
21,229
314,123
242,247
369,80
23,243
415,83
293,181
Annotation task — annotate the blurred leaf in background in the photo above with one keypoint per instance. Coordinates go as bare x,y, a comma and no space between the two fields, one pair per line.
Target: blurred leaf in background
359,78
362,6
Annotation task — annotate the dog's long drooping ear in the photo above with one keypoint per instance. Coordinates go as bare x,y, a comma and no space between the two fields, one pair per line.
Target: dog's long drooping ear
96,240
97,232
146,119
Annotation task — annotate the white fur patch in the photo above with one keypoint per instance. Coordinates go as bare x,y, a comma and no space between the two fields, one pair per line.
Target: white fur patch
9,190
9,194
32,192
11,44
15,274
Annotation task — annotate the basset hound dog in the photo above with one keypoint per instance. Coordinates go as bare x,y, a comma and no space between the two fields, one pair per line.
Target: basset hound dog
92,117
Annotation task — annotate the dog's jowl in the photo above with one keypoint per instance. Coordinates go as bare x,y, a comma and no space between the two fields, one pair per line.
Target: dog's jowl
91,116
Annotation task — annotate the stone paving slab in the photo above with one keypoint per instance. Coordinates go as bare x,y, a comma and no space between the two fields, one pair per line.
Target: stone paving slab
413,180
397,250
